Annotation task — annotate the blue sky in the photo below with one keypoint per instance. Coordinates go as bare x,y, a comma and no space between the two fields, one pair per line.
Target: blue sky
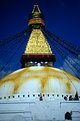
62,17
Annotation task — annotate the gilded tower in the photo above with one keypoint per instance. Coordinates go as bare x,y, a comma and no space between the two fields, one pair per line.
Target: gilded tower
37,51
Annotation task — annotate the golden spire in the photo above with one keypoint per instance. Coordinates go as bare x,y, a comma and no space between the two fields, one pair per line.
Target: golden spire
36,18
37,43
36,9
37,49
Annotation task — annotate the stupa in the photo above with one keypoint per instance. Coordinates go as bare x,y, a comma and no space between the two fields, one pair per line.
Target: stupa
38,91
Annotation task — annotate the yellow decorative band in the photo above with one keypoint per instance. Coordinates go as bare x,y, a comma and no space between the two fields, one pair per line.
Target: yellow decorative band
36,21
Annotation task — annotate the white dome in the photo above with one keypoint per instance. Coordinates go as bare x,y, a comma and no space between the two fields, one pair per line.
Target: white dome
39,80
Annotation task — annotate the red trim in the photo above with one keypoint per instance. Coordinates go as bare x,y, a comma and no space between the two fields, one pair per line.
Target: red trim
33,57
